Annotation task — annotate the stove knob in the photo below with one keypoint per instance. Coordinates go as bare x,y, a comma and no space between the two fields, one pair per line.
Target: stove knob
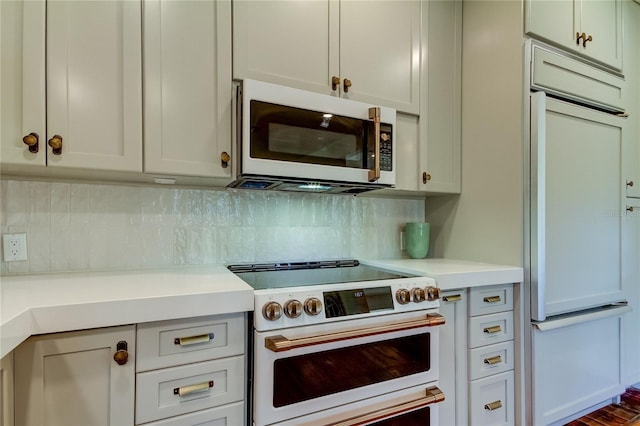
433,293
403,296
272,311
418,295
313,306
293,308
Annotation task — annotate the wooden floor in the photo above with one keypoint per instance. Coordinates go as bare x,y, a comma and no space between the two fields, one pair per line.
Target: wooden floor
626,413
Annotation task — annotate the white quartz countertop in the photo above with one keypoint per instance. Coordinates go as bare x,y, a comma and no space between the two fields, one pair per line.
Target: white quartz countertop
452,274
47,303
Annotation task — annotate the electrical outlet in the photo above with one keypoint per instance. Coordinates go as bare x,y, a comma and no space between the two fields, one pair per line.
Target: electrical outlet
15,247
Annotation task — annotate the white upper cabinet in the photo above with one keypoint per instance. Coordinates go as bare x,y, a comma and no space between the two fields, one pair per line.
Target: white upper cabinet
366,51
73,84
590,28
188,91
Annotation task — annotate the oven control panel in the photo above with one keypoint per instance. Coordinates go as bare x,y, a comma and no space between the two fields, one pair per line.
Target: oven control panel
298,306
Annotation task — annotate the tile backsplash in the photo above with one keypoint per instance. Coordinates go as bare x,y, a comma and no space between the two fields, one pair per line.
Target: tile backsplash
86,227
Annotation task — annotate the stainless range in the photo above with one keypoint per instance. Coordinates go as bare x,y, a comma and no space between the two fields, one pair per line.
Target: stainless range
340,342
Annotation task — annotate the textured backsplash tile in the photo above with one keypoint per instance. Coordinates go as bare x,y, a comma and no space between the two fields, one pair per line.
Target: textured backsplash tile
80,227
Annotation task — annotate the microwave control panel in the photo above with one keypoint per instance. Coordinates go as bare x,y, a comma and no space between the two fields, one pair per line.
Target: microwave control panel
386,151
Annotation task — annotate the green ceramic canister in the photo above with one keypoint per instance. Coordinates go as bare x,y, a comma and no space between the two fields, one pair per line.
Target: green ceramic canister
417,239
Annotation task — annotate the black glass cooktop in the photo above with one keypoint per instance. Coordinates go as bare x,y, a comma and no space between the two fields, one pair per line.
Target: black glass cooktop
263,276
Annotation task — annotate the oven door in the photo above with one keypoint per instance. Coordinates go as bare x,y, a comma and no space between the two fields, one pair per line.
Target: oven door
308,369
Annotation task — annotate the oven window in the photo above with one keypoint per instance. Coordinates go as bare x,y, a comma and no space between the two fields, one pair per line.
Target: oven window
421,417
302,136
310,376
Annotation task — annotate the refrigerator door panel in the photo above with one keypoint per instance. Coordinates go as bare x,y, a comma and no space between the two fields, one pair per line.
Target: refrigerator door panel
575,363
576,200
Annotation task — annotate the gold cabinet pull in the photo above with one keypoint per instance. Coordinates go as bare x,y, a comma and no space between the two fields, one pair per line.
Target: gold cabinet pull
122,355
426,177
493,360
630,209
452,298
186,390
433,395
56,144
493,405
224,159
585,40
492,299
346,84
193,340
493,329
374,114
280,343
335,82
629,182
32,140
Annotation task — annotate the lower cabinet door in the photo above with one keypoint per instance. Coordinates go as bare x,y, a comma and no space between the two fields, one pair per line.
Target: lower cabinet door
72,379
228,415
183,389
492,400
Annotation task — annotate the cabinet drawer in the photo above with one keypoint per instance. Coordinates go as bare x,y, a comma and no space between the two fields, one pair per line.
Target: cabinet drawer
489,300
492,400
203,385
490,329
167,343
561,75
227,415
492,359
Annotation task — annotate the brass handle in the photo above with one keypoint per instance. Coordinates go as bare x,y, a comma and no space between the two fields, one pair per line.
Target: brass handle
493,405
630,183
32,140
280,343
121,356
452,298
491,299
186,390
585,40
193,340
335,82
426,177
224,159
493,329
56,144
433,395
346,84
374,114
493,360
630,209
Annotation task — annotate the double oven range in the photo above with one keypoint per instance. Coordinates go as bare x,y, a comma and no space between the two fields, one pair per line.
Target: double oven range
342,343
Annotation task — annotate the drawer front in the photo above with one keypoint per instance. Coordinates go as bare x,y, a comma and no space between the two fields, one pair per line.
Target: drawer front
168,343
490,329
489,300
493,359
492,400
228,415
203,385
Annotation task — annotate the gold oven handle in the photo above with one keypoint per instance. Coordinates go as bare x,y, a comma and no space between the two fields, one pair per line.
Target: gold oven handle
433,395
374,114
280,343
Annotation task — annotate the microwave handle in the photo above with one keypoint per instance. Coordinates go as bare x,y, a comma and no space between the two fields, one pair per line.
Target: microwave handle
280,343
374,114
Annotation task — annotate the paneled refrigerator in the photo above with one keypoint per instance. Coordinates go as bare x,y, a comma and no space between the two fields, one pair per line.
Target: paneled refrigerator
574,228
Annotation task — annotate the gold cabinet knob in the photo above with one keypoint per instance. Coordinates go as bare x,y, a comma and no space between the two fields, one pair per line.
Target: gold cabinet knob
32,140
56,144
121,356
346,85
335,82
426,177
224,159
584,38
629,183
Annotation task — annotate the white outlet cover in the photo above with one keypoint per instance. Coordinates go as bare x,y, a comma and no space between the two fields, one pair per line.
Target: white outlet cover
15,247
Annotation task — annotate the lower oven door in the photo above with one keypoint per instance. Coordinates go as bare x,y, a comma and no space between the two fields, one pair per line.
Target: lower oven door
310,369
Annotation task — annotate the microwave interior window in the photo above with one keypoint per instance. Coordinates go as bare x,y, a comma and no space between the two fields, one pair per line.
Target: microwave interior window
302,136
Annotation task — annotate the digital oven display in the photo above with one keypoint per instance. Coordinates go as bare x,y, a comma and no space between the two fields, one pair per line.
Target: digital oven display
357,301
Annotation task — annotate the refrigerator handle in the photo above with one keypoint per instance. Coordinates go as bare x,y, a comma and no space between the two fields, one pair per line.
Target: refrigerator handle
537,206
578,318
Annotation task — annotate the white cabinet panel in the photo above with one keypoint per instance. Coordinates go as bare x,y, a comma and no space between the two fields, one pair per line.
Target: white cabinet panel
228,415
490,329
492,400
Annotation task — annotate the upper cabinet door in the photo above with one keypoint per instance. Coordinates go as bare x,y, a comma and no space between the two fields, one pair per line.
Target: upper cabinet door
188,91
94,84
380,52
291,43
563,23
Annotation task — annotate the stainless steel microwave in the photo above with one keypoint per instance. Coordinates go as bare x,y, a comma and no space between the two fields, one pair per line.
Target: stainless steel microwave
293,140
